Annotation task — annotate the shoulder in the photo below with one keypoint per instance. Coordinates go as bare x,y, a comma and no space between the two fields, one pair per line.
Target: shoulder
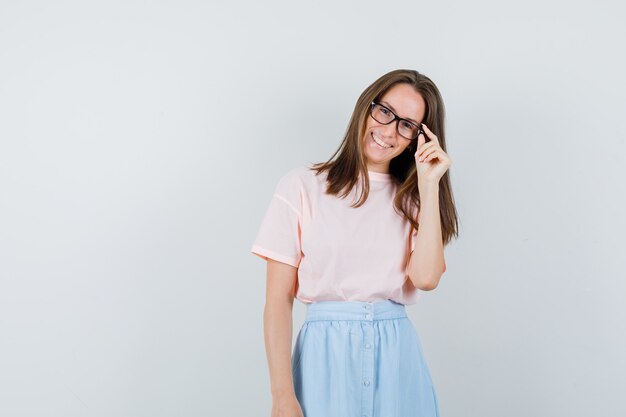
296,173
294,182
301,177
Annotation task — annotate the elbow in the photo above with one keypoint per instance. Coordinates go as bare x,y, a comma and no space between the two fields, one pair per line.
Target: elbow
426,283
429,285
426,280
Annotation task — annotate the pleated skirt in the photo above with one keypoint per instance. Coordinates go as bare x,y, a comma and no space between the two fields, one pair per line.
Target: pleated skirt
361,359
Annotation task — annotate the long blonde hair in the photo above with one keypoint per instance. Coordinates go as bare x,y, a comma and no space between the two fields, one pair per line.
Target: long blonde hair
344,170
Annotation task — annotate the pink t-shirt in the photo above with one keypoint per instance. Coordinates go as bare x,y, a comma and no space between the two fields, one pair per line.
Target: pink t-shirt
341,252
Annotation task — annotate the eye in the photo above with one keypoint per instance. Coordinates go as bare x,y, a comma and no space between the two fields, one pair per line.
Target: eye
384,110
408,126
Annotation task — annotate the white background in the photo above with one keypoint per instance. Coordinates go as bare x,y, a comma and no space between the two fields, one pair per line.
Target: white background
140,142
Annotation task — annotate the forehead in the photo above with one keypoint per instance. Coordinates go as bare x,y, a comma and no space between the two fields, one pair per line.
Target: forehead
405,102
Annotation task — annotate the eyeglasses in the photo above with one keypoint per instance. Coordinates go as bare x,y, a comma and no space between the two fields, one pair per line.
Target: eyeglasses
405,128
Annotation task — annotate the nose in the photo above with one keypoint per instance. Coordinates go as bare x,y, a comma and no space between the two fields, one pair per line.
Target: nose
390,130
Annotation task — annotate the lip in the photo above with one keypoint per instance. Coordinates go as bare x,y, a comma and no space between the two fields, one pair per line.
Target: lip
372,138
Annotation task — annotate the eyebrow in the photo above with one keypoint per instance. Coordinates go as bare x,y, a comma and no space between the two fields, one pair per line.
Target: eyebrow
389,105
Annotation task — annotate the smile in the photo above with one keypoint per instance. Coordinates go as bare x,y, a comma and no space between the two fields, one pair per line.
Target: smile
380,143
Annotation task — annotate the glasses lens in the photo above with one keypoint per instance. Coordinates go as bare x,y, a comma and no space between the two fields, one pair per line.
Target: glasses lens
381,114
408,130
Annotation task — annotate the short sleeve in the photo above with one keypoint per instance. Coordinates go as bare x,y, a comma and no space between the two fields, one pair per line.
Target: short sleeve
278,237
414,236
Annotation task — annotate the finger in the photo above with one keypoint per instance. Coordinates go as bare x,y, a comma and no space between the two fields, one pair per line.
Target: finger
421,140
430,134
427,153
432,156
425,147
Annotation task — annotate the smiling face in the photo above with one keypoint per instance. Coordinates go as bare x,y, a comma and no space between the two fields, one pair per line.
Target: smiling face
405,102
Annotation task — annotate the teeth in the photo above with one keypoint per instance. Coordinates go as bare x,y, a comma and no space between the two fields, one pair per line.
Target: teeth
380,142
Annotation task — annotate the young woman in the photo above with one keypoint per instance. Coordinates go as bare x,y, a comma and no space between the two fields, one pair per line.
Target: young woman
356,239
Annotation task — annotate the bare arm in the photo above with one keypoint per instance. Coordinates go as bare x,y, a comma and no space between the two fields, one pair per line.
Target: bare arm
427,264
278,322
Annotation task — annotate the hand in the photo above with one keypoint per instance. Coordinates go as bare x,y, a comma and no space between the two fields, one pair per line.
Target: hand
432,162
286,407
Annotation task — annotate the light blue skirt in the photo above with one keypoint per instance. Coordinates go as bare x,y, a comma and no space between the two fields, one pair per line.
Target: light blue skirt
360,359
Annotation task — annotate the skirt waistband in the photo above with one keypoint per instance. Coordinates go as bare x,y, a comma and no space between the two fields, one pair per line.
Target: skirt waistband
354,310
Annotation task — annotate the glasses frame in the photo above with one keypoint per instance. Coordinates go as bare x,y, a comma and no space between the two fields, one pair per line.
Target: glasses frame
395,117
